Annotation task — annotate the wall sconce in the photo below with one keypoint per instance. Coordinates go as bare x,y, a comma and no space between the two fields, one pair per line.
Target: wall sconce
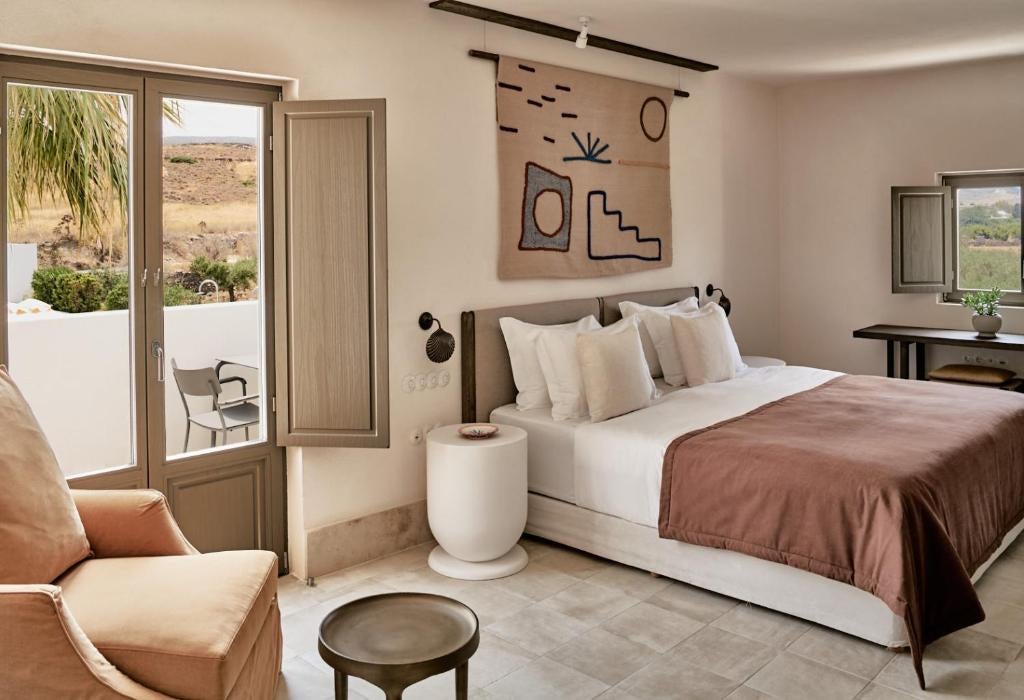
723,300
441,343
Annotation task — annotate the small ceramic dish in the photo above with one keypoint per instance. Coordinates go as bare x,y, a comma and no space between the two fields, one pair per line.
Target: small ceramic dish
478,431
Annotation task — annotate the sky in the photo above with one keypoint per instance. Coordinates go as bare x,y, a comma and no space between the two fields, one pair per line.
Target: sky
215,119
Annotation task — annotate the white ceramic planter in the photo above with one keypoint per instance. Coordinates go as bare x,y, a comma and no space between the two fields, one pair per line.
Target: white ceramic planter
476,502
987,326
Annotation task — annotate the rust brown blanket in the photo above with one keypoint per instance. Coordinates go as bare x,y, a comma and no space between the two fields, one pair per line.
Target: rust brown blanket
901,488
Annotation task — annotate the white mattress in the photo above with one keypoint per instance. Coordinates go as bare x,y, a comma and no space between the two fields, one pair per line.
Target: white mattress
549,449
614,467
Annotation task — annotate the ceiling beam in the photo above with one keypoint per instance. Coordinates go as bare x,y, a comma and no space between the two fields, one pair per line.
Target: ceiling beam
552,30
475,53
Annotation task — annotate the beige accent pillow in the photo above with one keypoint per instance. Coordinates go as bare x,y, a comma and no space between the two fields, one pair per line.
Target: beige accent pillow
615,374
706,345
41,535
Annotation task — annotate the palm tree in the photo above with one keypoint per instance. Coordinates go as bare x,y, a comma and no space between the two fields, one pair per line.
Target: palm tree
71,145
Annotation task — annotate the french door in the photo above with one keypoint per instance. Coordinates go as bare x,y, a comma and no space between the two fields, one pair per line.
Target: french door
137,261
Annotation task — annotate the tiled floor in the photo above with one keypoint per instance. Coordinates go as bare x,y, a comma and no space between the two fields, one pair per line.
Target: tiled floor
573,626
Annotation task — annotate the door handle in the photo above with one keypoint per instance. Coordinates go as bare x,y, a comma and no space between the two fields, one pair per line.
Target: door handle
158,353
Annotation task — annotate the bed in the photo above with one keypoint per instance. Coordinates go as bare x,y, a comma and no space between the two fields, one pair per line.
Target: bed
595,487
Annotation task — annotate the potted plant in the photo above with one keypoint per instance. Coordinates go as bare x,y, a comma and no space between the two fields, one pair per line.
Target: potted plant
985,304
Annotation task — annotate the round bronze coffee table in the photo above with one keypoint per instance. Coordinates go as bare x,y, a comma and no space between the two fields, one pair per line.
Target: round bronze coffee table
396,639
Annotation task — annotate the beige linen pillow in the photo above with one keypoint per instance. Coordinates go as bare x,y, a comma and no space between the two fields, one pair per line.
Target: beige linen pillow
616,377
656,316
41,535
706,345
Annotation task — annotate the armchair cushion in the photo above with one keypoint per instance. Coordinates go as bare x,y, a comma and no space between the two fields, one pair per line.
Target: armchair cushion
181,625
41,534
132,523
46,655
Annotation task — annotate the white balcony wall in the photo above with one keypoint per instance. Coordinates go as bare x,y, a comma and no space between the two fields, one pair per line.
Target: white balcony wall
75,371
21,263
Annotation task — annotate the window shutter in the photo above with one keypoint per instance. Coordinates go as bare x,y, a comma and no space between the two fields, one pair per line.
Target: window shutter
922,240
331,312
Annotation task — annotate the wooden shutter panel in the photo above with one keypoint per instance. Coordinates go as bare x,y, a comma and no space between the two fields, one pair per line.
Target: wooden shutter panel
922,240
330,228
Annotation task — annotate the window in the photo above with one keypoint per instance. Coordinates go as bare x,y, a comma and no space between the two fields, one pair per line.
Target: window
960,236
987,234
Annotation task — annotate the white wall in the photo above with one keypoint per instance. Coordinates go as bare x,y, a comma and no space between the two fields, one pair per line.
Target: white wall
844,143
442,176
75,371
21,263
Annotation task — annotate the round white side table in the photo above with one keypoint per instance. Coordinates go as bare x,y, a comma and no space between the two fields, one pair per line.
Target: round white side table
476,502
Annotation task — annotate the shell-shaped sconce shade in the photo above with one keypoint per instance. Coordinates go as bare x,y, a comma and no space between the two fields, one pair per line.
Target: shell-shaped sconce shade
440,346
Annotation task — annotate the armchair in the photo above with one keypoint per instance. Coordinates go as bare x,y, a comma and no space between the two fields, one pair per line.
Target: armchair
146,616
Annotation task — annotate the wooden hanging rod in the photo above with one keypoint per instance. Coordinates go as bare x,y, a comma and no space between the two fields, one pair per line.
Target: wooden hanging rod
494,57
553,30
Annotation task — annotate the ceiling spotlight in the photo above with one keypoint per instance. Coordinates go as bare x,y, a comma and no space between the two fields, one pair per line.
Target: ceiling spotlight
581,40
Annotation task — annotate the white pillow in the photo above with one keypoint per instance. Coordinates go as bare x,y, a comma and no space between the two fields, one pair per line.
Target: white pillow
616,378
556,351
521,341
631,308
706,345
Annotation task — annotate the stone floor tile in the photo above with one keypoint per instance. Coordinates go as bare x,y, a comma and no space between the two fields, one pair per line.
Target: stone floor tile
605,656
650,625
796,678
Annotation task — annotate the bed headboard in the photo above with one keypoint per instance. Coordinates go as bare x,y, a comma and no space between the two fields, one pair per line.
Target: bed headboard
486,373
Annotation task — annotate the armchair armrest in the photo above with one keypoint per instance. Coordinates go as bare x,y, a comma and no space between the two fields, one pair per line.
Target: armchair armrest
46,654
133,523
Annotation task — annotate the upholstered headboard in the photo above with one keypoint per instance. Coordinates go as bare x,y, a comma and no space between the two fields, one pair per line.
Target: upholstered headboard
486,373
656,297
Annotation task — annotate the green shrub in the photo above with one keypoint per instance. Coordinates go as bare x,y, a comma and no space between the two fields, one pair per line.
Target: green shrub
230,277
118,296
109,278
44,282
78,293
187,160
176,295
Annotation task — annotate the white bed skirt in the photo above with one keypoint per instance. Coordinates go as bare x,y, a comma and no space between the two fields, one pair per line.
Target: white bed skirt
771,585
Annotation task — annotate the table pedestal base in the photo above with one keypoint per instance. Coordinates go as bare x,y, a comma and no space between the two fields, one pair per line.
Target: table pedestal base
445,564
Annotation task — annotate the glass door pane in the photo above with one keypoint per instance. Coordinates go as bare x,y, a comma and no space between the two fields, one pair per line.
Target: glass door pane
212,275
70,311
988,236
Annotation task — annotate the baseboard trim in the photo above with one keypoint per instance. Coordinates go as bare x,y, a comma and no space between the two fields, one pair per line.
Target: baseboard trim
340,545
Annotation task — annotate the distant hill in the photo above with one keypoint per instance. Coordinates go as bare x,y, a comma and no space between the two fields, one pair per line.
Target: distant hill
184,140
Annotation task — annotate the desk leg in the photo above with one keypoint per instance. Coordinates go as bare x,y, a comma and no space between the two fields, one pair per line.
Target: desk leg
919,367
340,686
890,369
904,360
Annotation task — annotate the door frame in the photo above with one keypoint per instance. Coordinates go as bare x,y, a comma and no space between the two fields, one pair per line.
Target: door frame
145,246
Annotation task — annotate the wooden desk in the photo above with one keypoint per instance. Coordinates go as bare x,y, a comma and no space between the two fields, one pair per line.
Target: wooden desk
898,340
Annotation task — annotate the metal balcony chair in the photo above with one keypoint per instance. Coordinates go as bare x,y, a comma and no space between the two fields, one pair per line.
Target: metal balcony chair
226,416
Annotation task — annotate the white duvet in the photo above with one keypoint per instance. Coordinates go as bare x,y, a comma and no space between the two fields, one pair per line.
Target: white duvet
617,464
